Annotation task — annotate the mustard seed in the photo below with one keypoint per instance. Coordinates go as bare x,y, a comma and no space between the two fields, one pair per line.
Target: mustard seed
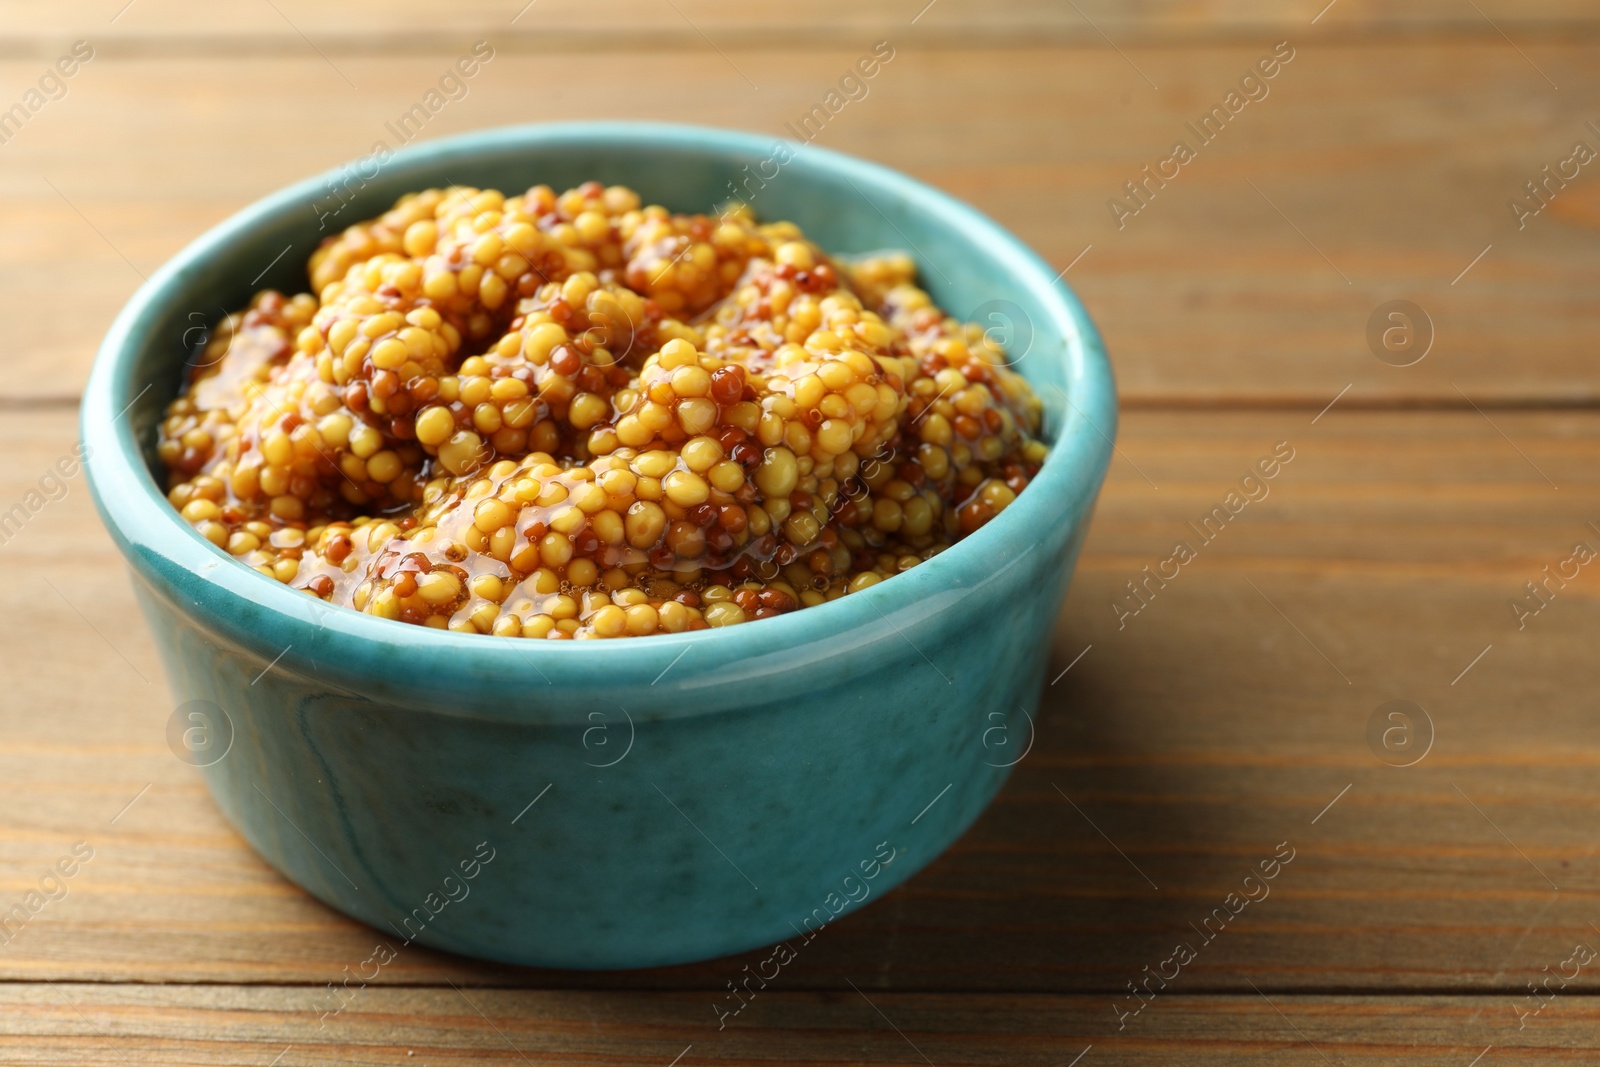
567,416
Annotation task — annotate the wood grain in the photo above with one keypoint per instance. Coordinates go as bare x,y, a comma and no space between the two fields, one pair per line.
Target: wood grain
193,1025
548,24
1218,722
1370,173
1177,747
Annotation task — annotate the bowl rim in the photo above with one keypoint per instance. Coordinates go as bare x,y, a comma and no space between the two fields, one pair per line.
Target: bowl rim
248,608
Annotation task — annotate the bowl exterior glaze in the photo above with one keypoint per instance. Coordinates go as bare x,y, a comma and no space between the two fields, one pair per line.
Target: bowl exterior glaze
691,795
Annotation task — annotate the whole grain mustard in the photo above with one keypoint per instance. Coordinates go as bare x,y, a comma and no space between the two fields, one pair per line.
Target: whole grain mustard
573,416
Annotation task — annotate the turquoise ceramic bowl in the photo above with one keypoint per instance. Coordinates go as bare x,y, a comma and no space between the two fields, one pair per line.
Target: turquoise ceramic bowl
697,794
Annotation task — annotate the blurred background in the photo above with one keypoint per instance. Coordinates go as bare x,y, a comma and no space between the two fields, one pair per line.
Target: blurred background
1376,254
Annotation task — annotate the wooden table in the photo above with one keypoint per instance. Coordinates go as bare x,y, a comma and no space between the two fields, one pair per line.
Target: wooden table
1241,714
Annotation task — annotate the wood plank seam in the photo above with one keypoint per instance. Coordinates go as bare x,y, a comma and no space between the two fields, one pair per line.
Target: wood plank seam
381,45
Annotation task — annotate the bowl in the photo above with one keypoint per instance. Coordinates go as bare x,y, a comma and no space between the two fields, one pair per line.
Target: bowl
627,803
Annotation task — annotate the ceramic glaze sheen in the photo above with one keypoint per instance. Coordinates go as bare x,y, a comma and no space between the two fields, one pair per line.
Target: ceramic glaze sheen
697,794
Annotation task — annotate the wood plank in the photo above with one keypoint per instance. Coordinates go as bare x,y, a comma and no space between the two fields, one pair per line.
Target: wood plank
1369,174
371,24
1222,720
108,1025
